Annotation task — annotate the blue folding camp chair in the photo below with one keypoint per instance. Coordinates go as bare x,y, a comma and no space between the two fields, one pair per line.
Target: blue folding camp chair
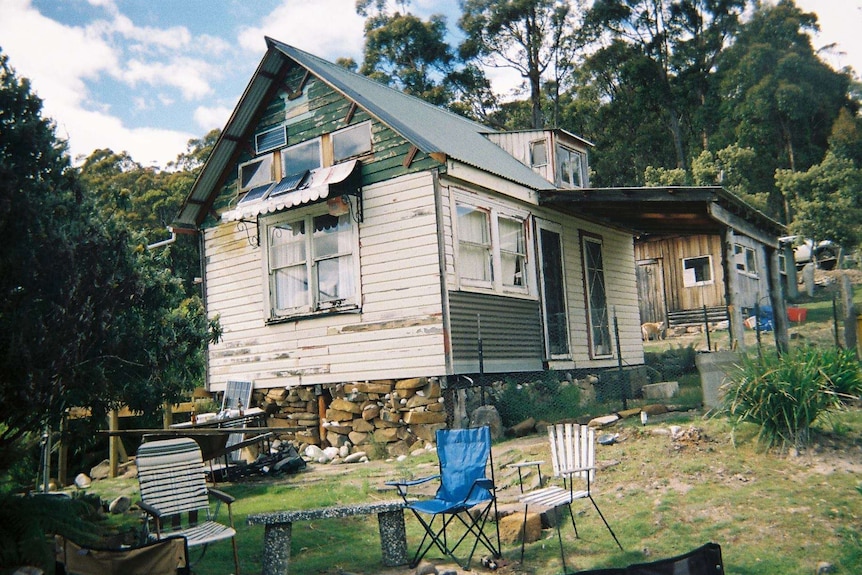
466,482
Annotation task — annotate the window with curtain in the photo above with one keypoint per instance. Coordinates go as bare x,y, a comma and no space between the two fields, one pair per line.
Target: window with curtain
311,264
474,245
492,248
597,301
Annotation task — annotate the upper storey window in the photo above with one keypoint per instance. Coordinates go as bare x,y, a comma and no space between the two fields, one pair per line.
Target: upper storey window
571,168
351,142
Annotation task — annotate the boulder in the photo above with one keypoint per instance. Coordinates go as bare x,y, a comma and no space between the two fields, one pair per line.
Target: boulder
487,415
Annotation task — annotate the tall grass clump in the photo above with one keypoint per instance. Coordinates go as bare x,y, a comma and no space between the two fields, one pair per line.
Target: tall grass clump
785,394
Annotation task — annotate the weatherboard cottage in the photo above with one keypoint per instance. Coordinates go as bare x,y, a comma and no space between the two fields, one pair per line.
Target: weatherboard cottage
356,235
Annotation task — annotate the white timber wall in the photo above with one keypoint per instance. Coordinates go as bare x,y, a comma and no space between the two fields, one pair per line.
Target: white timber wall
398,333
620,282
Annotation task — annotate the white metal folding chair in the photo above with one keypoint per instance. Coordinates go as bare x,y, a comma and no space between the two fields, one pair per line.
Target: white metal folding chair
573,454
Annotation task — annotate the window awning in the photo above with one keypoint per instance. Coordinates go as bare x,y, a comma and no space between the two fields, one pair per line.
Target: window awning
318,185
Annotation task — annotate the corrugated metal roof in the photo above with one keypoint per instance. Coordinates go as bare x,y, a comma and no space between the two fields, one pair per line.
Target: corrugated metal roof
430,128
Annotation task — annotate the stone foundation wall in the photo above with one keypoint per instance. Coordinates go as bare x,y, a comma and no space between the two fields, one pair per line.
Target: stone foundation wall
397,416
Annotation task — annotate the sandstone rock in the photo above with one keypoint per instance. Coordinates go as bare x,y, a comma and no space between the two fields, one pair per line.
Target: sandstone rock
604,420
356,457
120,505
386,435
82,481
338,415
382,387
523,428
512,528
370,411
487,415
101,471
358,438
654,409
345,405
427,432
412,417
413,383
362,426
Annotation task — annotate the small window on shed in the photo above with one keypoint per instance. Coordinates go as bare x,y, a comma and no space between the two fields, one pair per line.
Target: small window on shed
301,157
697,271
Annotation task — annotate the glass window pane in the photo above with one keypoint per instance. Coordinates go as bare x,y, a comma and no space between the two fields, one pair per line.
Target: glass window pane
287,244
564,165
512,252
256,172
291,287
474,246
301,157
352,141
538,154
335,279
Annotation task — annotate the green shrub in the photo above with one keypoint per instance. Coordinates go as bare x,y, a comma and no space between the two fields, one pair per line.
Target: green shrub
671,363
545,399
785,395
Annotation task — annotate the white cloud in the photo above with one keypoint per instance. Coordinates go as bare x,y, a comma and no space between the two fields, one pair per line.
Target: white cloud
191,77
327,28
839,24
210,117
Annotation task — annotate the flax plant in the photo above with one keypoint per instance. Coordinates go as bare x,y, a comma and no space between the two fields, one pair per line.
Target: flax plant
785,395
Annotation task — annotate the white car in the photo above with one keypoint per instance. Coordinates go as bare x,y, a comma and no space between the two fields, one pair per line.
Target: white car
823,254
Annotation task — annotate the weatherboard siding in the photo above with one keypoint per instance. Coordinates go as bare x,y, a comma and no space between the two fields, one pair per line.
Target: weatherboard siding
397,333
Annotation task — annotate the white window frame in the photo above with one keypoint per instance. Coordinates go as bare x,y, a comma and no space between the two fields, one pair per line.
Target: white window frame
596,352
265,177
334,136
745,260
560,150
493,244
689,278
315,305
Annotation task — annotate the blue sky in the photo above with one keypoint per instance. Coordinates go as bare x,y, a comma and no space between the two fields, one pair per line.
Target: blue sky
145,76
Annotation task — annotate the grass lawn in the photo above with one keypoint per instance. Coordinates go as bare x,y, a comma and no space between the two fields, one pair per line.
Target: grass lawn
770,512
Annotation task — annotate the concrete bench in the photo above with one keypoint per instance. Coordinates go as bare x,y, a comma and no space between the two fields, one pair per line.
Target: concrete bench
278,526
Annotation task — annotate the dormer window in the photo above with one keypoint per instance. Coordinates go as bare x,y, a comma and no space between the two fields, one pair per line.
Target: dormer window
571,167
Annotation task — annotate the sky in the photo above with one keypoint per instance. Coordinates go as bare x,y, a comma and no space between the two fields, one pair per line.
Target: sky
147,76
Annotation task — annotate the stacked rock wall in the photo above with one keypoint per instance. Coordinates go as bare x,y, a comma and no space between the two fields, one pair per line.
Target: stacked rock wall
396,415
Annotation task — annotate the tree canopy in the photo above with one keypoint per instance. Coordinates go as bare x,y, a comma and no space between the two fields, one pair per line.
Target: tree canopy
89,317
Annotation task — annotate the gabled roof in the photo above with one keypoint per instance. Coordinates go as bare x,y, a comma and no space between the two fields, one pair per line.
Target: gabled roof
430,128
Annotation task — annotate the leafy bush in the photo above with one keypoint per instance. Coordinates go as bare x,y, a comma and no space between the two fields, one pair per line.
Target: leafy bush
671,363
545,399
785,395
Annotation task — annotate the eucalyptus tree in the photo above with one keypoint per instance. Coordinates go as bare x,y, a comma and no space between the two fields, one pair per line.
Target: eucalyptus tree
678,42
406,52
533,37
778,97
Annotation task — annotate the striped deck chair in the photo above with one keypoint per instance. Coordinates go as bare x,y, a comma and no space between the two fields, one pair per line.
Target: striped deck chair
175,497
573,454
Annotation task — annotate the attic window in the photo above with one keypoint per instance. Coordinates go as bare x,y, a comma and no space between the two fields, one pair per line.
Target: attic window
301,157
570,168
271,139
255,173
351,142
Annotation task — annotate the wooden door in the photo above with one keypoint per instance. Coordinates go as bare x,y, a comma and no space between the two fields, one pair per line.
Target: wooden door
651,300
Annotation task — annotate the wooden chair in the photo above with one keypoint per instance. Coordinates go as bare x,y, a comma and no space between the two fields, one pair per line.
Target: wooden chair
573,453
175,497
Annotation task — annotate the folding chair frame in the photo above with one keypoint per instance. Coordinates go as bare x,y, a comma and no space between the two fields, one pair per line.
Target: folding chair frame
573,456
436,531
